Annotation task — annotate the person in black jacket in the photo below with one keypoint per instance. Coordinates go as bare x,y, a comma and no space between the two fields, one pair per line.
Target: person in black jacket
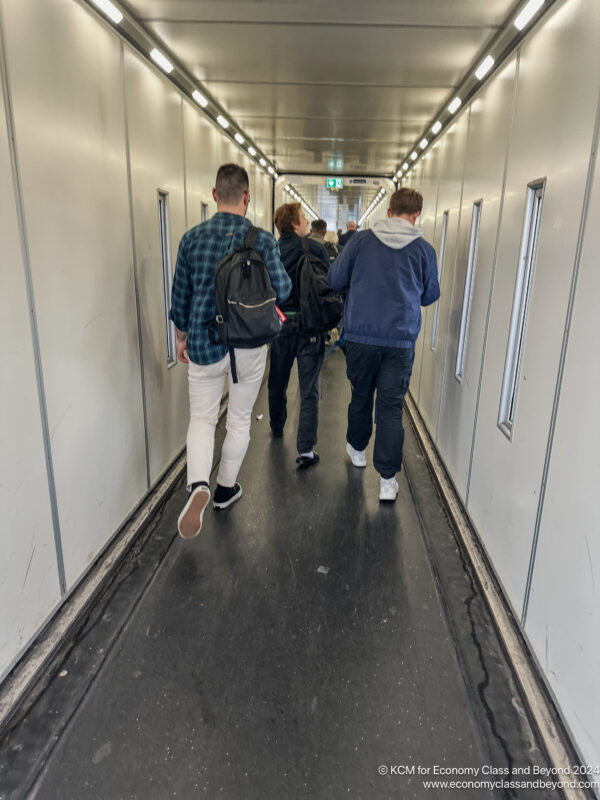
293,343
345,237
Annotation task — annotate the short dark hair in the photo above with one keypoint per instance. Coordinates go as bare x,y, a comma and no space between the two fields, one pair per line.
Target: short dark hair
286,217
231,183
406,201
318,225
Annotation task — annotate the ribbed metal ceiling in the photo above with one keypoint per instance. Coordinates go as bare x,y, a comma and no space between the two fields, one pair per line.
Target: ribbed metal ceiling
342,80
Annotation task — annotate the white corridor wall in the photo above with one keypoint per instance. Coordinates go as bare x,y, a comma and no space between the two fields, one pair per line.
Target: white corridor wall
98,131
536,119
28,567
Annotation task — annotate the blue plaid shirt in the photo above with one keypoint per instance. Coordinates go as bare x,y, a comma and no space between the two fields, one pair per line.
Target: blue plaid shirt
193,294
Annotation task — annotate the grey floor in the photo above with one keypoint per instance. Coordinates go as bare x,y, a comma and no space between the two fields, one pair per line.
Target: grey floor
233,666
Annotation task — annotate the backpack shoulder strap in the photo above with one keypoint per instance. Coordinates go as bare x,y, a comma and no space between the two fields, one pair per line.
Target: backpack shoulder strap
252,237
305,245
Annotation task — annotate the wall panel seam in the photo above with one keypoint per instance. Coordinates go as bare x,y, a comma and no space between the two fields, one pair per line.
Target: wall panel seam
134,264
35,340
563,357
185,198
446,348
493,276
424,323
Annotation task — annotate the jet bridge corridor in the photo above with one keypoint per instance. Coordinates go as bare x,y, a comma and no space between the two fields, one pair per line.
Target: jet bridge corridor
310,639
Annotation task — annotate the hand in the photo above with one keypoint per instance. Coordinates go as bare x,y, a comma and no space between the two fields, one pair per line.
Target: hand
182,351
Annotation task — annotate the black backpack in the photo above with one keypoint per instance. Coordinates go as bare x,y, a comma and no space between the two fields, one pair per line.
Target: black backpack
320,308
246,315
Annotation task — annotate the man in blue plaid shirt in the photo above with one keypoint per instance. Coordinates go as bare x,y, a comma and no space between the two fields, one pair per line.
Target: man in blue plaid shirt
193,304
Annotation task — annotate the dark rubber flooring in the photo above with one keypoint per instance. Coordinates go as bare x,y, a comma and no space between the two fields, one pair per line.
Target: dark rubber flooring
310,639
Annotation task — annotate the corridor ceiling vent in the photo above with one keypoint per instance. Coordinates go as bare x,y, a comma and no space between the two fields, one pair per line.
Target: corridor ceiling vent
373,205
496,51
291,190
149,45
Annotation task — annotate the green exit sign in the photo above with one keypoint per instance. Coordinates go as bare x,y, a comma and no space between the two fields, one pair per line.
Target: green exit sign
335,163
335,183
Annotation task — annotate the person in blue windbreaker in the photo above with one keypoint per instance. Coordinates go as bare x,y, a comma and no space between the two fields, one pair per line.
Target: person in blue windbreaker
388,272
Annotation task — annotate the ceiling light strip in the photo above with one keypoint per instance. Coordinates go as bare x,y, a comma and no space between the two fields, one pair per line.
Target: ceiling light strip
148,45
527,14
162,61
373,205
298,197
502,46
111,11
485,66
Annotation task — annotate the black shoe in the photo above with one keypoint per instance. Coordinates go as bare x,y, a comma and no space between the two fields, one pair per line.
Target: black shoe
306,461
226,495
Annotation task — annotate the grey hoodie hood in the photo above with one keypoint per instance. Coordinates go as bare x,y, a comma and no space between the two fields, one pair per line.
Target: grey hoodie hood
395,232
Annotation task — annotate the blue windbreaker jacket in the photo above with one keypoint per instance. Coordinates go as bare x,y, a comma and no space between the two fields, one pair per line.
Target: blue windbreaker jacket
389,272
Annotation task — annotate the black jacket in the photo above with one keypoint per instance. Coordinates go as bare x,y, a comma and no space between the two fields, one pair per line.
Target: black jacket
290,247
345,237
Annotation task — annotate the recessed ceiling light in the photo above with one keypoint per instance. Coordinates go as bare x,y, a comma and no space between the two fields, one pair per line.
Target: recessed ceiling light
239,138
423,144
262,162
436,127
199,98
414,155
455,105
484,67
252,151
523,18
109,9
405,165
162,62
222,121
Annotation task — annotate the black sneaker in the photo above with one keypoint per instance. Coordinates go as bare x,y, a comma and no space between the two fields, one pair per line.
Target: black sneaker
226,495
307,461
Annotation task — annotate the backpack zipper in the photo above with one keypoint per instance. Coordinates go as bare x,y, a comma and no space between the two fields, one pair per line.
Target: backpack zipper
244,305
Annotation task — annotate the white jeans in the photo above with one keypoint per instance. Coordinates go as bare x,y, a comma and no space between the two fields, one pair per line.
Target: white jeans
206,389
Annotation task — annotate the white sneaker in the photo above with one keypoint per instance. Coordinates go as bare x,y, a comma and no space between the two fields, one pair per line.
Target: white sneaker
358,457
388,489
189,523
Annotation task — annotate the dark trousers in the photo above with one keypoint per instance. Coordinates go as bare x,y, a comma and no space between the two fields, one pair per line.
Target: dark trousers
387,370
309,351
